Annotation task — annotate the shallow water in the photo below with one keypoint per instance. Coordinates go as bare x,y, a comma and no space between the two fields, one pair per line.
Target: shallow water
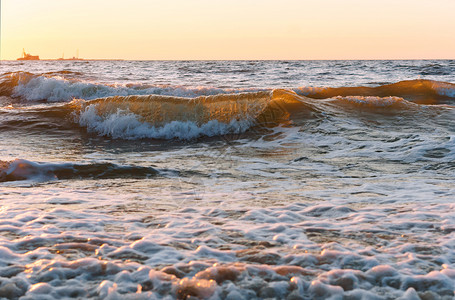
227,179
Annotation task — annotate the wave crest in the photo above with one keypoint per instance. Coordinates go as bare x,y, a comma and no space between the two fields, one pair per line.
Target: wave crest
421,91
166,117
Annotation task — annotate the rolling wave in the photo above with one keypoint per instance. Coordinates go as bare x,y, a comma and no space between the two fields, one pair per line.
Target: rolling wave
420,91
21,169
166,117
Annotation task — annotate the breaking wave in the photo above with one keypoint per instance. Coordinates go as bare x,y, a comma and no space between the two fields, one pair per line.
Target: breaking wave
165,117
59,87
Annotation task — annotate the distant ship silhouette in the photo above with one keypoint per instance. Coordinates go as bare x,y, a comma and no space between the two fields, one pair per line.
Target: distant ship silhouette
27,56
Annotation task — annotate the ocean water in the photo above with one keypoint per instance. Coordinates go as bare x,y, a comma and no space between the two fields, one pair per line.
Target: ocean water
227,179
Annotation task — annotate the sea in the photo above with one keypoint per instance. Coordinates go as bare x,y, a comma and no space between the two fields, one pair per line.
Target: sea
227,179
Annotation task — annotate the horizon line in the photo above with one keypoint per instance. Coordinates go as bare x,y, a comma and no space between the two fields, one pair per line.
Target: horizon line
240,59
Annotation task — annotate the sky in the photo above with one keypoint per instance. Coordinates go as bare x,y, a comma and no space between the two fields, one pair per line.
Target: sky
229,29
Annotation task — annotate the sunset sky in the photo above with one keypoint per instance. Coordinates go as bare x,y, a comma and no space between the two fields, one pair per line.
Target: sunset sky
234,29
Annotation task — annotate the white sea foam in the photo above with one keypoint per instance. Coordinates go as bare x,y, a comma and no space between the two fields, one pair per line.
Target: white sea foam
57,89
126,125
219,253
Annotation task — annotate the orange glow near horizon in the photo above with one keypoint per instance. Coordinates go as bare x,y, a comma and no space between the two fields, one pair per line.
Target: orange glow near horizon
235,29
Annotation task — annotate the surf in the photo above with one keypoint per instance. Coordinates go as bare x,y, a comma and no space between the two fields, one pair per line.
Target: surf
57,101
64,86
